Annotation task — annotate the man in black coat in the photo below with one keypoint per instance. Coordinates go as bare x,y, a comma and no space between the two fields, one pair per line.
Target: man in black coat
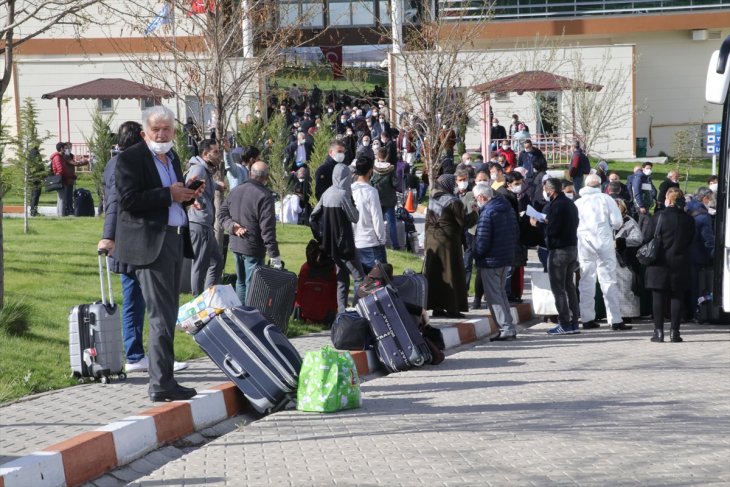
299,152
323,174
152,235
672,181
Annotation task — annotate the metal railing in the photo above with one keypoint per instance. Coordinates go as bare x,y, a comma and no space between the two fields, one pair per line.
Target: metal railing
532,9
557,149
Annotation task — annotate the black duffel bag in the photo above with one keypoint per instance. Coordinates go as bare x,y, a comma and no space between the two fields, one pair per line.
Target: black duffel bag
350,331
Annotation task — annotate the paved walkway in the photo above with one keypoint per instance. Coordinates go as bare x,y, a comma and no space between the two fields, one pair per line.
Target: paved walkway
599,408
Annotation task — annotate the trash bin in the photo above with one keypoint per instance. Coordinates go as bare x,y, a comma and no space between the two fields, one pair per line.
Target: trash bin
641,146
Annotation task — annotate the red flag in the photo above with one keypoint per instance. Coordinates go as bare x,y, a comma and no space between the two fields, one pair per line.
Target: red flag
334,57
201,7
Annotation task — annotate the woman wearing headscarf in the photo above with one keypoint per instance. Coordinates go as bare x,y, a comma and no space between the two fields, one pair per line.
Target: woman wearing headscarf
445,224
628,240
668,275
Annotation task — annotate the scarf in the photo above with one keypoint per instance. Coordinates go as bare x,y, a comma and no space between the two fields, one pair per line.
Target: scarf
443,194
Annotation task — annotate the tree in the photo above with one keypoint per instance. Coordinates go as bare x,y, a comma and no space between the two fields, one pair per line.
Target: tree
687,149
275,156
28,159
42,15
100,145
430,60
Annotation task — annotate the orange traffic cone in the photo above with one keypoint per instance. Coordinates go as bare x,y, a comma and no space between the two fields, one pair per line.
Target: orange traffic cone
410,204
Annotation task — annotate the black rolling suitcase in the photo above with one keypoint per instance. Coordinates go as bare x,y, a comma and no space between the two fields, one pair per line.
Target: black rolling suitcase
255,355
412,288
273,292
83,203
400,346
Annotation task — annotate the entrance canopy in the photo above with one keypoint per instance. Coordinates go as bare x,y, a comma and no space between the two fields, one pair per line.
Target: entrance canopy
535,81
104,88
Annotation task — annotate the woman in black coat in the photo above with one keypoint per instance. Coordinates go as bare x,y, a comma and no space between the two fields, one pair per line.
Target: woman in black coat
668,275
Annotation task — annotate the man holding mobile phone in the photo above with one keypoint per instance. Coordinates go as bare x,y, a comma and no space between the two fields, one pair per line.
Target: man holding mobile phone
207,266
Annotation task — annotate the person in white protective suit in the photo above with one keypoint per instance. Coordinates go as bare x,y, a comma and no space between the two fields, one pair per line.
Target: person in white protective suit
599,217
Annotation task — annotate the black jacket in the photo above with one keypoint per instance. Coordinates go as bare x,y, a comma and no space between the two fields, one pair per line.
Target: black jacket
144,207
561,228
111,213
670,271
663,188
323,177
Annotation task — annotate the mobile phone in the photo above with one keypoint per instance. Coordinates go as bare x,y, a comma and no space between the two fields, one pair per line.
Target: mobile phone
195,184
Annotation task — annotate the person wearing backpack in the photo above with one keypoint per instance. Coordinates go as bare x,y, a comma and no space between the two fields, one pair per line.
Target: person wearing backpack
580,166
384,181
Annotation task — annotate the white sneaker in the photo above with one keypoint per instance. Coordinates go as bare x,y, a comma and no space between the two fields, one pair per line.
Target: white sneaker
177,366
139,366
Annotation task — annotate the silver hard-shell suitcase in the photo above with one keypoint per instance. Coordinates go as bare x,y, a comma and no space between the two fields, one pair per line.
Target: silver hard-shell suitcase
95,335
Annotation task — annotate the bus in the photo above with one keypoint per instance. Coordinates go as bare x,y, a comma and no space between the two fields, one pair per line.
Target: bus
716,92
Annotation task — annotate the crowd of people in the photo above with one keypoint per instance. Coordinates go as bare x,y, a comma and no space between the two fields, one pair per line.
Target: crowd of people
482,214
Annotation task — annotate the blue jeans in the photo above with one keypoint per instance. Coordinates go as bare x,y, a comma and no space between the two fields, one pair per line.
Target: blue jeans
389,215
244,267
577,183
369,255
133,309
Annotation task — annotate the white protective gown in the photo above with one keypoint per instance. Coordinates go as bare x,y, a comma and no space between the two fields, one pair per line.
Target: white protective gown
599,218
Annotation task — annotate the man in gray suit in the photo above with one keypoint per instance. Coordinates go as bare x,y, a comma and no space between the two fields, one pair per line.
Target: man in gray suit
152,235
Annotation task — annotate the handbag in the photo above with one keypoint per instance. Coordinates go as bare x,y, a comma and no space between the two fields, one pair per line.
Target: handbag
328,382
352,332
647,253
52,182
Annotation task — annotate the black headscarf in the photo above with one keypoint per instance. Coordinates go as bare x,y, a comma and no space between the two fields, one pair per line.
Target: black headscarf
443,194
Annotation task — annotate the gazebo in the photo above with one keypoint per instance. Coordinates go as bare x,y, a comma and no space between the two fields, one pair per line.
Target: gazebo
113,88
535,81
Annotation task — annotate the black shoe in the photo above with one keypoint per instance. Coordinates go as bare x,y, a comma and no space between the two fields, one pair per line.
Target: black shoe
476,305
621,327
180,393
658,336
589,325
438,312
674,337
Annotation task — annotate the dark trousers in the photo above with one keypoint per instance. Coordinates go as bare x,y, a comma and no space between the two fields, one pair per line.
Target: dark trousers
468,266
34,199
207,267
562,266
344,269
160,283
675,307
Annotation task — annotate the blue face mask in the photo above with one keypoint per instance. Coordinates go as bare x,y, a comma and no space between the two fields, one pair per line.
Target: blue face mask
300,164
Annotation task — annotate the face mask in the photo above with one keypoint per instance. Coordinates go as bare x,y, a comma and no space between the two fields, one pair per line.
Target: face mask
493,177
381,120
481,204
339,157
365,143
376,146
495,124
569,195
67,152
528,149
462,185
647,172
613,180
467,162
300,164
713,187
505,147
329,110
159,147
545,196
375,113
516,189
301,142
301,180
711,211
343,120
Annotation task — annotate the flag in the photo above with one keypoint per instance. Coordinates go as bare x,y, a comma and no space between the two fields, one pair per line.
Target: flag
333,55
201,7
163,17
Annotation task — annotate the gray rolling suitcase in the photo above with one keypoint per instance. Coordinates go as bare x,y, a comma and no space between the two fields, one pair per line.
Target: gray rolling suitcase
95,336
273,292
400,346
400,227
255,355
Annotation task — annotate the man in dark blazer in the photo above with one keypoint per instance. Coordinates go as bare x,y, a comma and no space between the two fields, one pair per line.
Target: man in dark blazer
152,235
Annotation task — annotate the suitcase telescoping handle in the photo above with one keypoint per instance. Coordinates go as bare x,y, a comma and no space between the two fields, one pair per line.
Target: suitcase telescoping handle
105,253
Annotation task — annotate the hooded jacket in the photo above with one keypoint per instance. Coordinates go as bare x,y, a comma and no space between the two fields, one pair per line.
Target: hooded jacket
702,249
497,234
599,218
323,177
384,181
334,215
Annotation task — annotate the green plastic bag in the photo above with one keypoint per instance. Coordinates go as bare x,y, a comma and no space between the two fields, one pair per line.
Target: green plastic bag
328,382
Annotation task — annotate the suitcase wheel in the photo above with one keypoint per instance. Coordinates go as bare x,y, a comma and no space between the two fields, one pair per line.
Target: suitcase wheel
122,376
105,379
80,380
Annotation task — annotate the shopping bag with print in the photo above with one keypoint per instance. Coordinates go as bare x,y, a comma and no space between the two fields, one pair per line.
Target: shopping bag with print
328,382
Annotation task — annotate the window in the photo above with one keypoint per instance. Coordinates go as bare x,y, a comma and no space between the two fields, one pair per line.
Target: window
148,103
351,12
105,105
301,13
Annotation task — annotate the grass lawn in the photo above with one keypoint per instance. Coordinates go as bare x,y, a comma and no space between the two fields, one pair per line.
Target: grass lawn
697,176
54,268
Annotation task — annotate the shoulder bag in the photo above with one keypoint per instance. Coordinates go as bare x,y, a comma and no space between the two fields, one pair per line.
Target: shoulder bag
647,253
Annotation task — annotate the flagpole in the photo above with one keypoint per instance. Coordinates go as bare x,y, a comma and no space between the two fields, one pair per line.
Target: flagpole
174,61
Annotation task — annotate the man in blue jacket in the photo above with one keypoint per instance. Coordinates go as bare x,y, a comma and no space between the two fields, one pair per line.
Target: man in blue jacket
494,252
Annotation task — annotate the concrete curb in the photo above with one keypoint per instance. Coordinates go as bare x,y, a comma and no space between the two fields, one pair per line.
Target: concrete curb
89,455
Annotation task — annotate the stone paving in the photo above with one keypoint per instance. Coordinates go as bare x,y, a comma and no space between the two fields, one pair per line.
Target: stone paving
599,408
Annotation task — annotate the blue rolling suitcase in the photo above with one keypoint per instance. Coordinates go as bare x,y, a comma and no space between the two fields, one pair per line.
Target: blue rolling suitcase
255,355
400,346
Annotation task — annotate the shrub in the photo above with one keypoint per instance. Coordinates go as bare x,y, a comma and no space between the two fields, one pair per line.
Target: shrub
15,318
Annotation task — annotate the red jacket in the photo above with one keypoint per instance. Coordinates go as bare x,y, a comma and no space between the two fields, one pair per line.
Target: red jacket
510,159
60,165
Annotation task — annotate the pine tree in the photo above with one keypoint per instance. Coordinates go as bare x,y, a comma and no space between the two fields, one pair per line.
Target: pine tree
100,145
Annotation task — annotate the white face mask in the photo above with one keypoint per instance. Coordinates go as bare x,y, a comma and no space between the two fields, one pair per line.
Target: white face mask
647,172
713,187
339,157
493,177
569,195
481,203
329,110
495,125
159,147
376,146
301,180
505,147
67,152
462,185
467,162
516,189
545,196
711,211
365,143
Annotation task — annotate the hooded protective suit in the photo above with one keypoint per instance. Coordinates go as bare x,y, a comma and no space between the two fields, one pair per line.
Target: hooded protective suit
599,216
